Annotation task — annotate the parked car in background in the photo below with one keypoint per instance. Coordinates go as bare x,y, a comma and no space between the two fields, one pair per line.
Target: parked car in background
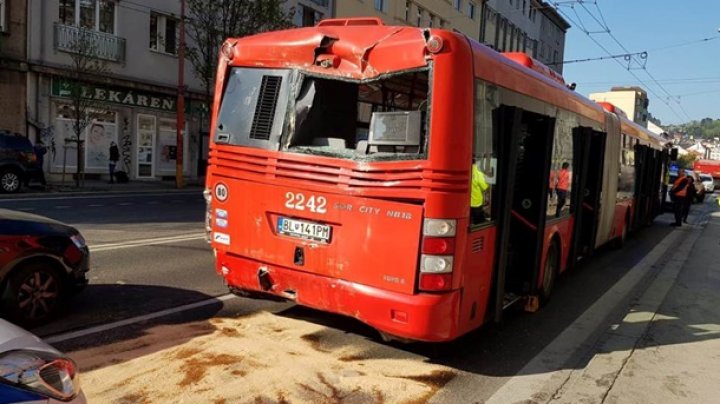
42,263
18,163
708,182
32,371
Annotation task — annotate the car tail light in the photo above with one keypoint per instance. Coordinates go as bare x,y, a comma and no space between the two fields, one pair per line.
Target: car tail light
438,248
41,372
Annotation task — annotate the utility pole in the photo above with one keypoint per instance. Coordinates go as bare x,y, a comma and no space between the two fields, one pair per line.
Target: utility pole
179,182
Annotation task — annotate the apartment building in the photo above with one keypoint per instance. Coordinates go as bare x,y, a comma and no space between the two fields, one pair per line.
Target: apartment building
531,26
632,100
13,66
135,102
458,15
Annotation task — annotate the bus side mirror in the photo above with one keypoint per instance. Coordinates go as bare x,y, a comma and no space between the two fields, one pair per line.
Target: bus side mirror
673,154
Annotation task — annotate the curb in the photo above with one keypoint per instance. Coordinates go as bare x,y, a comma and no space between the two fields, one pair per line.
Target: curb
616,346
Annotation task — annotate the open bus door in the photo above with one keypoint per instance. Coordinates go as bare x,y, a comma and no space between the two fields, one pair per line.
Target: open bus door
589,158
525,146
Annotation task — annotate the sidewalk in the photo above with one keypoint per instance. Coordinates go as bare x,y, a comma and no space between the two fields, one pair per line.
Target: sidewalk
667,348
91,187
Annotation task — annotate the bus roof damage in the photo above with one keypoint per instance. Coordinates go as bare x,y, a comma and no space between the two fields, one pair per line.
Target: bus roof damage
348,51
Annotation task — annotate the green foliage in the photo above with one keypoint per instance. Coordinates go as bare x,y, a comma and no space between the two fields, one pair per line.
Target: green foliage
686,161
211,22
706,128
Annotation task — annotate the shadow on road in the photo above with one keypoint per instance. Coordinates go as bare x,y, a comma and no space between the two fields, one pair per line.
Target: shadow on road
503,349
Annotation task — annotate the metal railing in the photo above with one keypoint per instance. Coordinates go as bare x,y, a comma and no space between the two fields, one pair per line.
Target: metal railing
76,40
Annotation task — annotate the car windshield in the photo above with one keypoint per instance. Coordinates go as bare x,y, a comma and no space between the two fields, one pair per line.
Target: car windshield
705,177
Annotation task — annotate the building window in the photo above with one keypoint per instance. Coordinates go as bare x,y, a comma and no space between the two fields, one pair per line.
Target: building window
380,5
471,10
97,15
407,11
309,17
419,16
163,33
524,6
431,18
3,24
457,4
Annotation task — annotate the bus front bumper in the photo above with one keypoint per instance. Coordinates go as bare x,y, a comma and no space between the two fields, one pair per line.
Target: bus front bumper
420,317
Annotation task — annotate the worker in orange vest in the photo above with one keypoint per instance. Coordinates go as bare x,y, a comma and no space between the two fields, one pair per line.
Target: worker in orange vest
678,193
562,187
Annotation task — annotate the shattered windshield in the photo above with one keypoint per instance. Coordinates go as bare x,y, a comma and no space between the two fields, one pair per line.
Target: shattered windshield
381,119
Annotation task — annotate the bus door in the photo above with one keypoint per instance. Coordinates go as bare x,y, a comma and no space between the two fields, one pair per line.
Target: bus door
525,144
645,168
589,151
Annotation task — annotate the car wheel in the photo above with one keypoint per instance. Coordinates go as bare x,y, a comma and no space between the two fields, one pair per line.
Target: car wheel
9,181
32,295
550,271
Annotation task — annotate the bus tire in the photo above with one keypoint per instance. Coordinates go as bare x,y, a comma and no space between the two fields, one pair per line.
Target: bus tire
551,268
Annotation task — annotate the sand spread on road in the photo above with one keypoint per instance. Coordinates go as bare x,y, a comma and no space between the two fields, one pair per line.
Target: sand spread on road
262,358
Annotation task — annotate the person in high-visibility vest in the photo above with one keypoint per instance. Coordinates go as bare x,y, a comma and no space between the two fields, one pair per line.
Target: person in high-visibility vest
562,187
678,192
478,185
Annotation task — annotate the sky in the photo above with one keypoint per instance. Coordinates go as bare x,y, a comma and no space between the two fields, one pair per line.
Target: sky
683,82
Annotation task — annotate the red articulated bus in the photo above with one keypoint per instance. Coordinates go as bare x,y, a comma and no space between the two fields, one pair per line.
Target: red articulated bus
340,175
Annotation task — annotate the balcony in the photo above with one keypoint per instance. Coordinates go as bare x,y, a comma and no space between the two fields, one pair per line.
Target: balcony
104,46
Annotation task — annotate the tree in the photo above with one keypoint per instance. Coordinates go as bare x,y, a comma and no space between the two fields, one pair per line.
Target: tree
85,64
688,160
211,22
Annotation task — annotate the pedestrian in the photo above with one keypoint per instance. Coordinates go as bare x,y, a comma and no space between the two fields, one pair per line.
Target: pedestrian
477,187
562,187
39,150
678,192
689,197
114,157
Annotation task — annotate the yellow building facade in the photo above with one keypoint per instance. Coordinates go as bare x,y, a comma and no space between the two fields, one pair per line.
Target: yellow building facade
455,15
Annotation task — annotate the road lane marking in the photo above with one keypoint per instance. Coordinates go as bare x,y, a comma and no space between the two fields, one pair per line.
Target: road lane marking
125,203
104,196
145,242
133,320
96,205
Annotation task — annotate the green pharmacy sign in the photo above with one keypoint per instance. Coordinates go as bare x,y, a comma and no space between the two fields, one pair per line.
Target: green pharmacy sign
64,89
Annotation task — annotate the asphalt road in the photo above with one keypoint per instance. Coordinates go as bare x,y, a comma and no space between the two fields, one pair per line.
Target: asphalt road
132,280
127,278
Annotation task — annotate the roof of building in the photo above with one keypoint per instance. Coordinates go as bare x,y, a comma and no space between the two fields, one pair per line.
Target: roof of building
552,14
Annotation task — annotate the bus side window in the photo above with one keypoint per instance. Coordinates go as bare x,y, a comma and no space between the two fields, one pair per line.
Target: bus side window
484,166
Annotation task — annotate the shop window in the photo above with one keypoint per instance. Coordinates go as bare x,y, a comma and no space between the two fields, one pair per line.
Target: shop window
163,33
146,128
96,15
97,136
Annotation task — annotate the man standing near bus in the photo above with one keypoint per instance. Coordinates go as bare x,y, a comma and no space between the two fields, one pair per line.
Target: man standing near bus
678,193
477,187
563,186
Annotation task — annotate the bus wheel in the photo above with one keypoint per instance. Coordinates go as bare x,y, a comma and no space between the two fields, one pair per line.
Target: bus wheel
550,271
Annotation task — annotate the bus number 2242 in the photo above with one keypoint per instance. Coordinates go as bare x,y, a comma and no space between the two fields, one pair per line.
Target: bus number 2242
317,204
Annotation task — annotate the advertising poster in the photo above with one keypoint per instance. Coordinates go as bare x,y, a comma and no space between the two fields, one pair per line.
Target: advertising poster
99,135
167,151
